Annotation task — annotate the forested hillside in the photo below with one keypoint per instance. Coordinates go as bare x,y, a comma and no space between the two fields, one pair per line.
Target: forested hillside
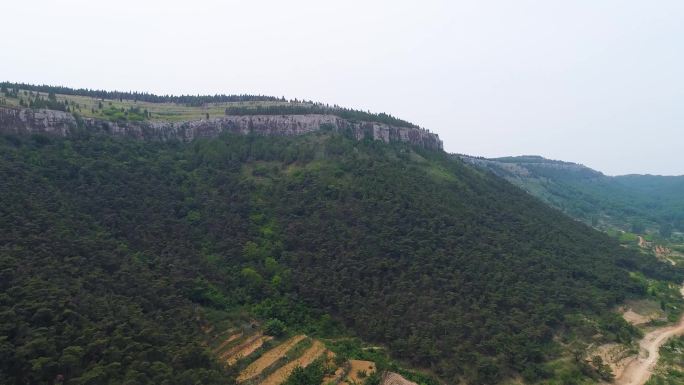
636,203
113,251
660,196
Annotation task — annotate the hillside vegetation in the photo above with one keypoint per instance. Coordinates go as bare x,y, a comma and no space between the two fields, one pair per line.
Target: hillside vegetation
115,253
121,106
633,203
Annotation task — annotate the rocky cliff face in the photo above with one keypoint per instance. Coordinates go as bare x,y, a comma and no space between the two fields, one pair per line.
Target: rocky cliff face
532,166
24,120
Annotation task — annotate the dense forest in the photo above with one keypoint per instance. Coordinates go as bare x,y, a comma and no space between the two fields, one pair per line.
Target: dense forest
660,196
636,203
111,251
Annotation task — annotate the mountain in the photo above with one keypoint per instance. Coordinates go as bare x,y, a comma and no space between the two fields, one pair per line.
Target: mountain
119,252
62,111
636,203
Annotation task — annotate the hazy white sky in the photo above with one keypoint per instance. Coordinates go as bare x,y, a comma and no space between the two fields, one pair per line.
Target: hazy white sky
590,81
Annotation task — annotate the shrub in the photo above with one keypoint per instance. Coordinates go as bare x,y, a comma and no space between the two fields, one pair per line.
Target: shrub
274,327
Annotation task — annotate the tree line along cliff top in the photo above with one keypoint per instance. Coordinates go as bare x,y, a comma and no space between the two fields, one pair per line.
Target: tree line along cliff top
129,106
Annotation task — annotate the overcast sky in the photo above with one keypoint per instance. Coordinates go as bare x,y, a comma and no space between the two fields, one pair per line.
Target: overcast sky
594,82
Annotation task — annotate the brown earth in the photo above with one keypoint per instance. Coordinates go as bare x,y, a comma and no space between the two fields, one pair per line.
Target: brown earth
336,377
249,346
340,372
617,356
357,366
227,341
662,251
634,318
640,369
309,356
268,358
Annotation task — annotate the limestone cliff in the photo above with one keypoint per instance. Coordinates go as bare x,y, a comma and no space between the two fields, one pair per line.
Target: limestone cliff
24,120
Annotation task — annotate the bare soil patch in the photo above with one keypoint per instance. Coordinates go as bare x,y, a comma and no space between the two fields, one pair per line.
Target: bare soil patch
662,251
356,368
340,372
641,312
640,369
227,341
309,356
617,356
635,319
268,358
249,346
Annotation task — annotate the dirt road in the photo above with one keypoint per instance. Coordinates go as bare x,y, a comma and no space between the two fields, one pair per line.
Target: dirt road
639,370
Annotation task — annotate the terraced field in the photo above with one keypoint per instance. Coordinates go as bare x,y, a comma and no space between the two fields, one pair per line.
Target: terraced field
335,377
269,358
316,350
228,341
239,348
358,370
263,360
273,363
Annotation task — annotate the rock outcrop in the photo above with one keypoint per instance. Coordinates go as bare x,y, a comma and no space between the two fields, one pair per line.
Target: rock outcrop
24,120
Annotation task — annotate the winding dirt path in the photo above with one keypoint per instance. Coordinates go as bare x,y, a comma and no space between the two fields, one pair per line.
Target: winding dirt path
640,369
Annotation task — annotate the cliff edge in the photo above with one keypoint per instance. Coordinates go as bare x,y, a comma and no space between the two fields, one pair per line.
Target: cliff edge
27,121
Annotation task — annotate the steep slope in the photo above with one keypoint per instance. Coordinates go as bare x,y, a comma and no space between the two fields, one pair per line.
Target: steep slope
111,250
631,202
54,122
27,108
661,196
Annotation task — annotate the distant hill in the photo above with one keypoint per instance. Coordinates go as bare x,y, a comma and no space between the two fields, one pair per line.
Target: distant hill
638,203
